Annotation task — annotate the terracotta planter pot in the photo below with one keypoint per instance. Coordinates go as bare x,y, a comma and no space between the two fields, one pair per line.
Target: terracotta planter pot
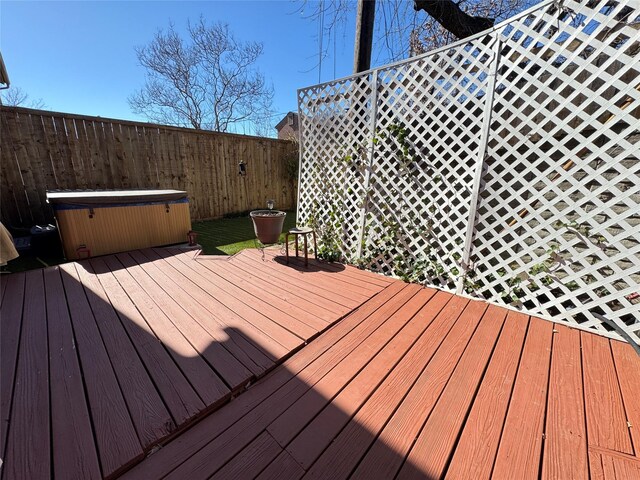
268,224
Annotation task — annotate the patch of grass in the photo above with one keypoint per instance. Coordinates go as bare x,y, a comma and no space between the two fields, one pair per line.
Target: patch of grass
228,236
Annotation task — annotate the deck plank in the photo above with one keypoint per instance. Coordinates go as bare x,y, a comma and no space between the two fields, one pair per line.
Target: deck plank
520,447
627,363
316,432
116,438
476,450
363,284
303,323
565,447
416,369
284,467
74,451
28,440
216,439
242,349
350,286
261,272
185,344
309,314
304,280
307,311
254,458
428,458
179,396
606,420
146,408
280,326
10,331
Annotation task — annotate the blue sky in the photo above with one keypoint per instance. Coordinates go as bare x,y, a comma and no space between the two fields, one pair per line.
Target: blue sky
79,56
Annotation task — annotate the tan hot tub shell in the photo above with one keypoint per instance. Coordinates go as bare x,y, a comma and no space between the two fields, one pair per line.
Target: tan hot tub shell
117,221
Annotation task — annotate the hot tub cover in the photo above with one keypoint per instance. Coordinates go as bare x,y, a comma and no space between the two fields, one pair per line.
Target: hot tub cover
110,197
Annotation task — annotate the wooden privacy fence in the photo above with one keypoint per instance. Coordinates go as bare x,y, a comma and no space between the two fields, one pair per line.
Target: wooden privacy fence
47,150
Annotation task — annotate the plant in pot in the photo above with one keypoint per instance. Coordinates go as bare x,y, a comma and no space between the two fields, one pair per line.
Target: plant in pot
268,223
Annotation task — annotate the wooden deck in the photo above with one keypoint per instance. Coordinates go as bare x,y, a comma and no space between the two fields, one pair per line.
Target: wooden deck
103,360
420,384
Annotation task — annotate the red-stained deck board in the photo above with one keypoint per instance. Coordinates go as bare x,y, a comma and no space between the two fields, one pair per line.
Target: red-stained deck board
565,447
267,293
147,410
244,356
313,284
627,363
344,453
279,325
222,448
74,451
28,441
242,339
10,329
204,360
345,274
116,437
349,287
310,313
476,450
520,447
180,397
299,289
352,383
283,467
338,341
254,458
298,321
447,417
205,318
606,420
607,465
310,443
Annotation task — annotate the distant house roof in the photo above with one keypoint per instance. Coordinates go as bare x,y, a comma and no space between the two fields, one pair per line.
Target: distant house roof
4,76
291,119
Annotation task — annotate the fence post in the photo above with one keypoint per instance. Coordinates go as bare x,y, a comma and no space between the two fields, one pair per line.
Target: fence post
480,161
367,174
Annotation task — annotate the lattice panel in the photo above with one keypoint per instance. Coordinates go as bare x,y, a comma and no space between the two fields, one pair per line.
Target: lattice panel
505,166
336,123
429,119
558,231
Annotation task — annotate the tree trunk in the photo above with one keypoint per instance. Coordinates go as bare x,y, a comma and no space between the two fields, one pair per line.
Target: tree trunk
448,14
364,35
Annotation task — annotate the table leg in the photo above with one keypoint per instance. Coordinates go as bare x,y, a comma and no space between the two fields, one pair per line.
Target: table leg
306,252
296,244
315,246
286,246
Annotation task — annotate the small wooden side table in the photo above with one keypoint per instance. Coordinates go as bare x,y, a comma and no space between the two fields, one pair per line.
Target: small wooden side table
304,231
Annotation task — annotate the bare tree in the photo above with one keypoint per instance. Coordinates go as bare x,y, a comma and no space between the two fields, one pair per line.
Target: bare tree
207,81
16,97
404,28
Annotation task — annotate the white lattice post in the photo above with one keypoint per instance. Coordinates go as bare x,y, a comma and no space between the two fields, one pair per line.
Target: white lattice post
367,174
482,154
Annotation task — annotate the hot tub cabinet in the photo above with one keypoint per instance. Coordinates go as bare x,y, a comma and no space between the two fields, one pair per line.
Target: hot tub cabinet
100,222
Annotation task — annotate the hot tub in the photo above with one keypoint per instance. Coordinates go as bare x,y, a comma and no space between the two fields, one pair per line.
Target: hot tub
100,222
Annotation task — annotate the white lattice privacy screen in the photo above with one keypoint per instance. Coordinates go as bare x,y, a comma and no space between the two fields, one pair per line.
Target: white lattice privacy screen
505,166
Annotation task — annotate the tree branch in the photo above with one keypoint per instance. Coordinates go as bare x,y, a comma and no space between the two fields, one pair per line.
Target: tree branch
452,18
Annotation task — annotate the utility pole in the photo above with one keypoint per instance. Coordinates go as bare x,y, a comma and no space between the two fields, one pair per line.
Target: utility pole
364,35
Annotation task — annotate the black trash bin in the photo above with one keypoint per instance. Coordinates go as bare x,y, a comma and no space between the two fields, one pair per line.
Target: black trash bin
45,241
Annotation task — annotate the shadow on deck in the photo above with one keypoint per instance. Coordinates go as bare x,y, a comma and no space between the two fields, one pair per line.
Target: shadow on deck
103,361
